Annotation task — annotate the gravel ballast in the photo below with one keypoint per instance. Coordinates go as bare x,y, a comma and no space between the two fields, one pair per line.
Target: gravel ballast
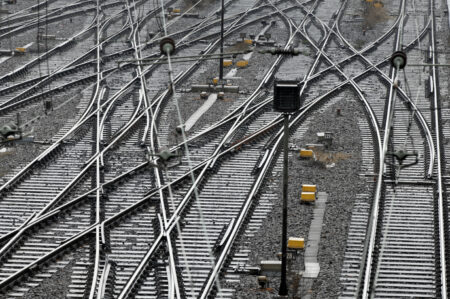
342,183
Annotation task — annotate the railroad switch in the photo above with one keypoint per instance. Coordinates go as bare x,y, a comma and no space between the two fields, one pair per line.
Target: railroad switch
13,132
401,156
9,129
165,155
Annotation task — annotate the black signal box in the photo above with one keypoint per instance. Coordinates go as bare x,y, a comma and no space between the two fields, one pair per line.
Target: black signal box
286,96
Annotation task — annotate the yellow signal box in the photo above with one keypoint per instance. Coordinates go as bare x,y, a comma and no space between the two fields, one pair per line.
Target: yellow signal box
308,196
242,63
227,63
309,188
296,243
305,153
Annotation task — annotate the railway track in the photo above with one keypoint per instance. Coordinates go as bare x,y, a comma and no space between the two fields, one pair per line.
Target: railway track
99,202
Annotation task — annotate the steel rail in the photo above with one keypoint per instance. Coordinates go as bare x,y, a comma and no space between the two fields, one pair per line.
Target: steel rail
63,68
75,201
57,143
413,105
237,122
339,35
35,265
386,78
88,53
107,222
230,117
98,173
373,220
31,8
10,23
372,66
442,231
21,229
33,24
171,223
270,73
83,119
375,128
172,273
182,204
68,71
44,210
250,198
46,54
180,208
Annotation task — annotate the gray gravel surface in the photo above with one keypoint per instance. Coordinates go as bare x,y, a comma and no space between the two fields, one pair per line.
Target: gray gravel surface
54,287
251,75
44,129
342,183
364,23
61,29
